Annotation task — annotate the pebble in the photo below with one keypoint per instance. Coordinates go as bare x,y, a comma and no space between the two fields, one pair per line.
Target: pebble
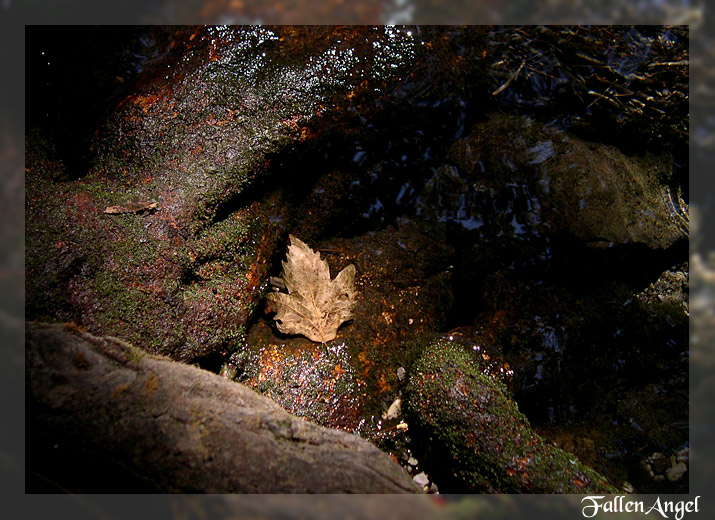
421,479
412,461
673,468
675,472
395,408
228,371
401,374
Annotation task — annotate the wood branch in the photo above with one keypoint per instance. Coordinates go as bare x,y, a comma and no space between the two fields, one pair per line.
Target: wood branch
508,82
103,416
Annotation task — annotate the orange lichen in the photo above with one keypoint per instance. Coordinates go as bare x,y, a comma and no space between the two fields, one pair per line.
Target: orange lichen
338,370
151,385
383,385
83,203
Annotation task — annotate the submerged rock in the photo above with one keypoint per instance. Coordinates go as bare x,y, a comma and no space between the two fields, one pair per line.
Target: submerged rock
213,115
600,368
627,85
519,178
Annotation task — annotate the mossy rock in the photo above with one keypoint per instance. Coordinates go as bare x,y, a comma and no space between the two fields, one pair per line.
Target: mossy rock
476,439
516,177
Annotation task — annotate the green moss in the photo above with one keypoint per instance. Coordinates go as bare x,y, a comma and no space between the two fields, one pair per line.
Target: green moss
124,311
225,240
467,418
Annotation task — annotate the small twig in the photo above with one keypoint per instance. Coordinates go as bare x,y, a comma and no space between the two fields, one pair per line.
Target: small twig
508,82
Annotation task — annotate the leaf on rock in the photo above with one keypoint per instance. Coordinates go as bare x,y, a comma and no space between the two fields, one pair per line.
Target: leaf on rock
315,306
131,207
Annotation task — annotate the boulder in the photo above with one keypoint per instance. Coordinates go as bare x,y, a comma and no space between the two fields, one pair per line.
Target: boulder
600,366
516,177
103,416
197,173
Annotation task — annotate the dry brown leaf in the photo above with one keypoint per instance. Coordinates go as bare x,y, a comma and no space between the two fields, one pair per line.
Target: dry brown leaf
315,306
131,207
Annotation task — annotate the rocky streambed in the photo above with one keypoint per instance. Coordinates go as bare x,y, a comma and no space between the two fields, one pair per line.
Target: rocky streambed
521,322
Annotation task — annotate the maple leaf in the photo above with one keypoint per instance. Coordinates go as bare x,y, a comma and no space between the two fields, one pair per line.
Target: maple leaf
315,306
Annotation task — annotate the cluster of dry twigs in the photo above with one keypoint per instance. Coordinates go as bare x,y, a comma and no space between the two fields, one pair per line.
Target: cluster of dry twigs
618,80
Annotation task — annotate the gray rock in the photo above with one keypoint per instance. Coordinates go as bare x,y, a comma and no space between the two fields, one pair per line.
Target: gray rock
103,416
401,374
395,409
421,479
676,472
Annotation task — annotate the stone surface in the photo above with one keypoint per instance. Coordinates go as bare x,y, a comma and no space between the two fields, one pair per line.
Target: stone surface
524,179
421,479
219,130
395,409
676,472
596,367
475,437
404,294
544,247
103,416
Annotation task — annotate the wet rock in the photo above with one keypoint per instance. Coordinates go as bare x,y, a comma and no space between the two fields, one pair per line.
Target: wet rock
574,299
466,418
102,415
664,470
544,245
421,479
672,286
628,85
311,380
491,360
218,130
395,410
676,472
522,179
586,356
351,382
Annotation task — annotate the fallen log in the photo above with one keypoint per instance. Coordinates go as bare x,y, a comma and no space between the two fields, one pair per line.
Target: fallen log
103,416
